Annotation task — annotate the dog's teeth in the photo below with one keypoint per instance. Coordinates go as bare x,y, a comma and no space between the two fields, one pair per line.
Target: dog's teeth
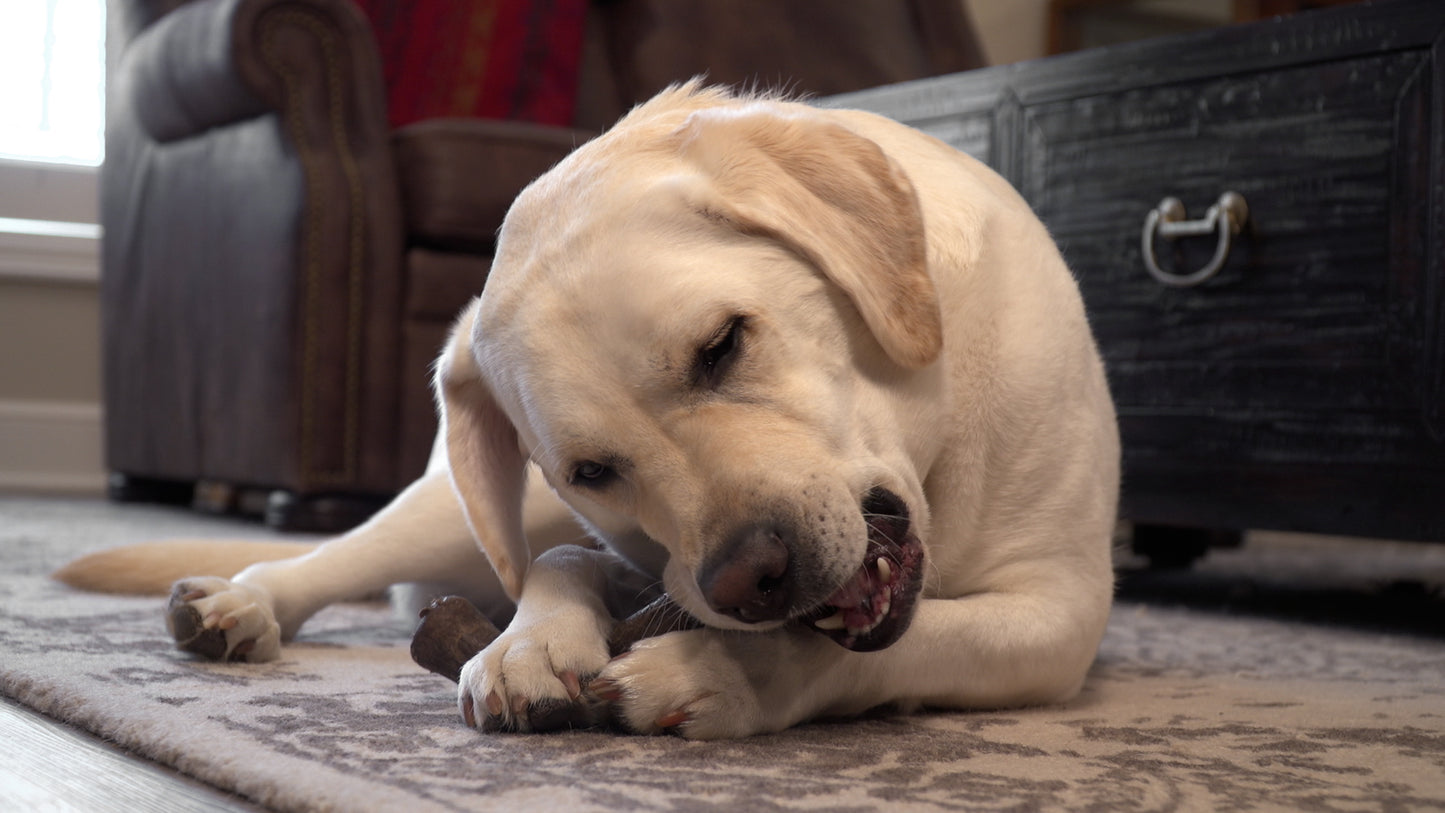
885,571
832,622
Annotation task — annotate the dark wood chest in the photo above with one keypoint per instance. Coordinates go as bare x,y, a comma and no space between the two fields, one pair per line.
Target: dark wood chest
1289,376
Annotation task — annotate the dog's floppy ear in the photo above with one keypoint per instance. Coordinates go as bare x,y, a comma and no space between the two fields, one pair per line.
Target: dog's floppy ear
487,464
834,197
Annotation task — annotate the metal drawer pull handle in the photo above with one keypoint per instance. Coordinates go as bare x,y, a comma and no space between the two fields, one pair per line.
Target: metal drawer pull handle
1227,216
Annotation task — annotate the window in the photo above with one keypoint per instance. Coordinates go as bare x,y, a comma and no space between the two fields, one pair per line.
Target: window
52,124
52,53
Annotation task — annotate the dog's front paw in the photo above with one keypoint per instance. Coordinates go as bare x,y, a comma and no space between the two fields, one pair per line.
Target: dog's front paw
223,621
531,678
695,683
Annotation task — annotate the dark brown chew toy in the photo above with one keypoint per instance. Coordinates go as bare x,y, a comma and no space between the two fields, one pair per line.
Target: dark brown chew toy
452,630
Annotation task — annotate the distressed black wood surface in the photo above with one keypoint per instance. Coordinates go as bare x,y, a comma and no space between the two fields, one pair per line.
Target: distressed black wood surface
959,109
1304,387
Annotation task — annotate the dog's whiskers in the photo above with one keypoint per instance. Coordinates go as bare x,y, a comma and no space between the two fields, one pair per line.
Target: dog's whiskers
649,592
666,620
872,515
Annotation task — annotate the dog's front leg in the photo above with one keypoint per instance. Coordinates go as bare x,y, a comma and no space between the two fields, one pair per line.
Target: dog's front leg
532,676
420,536
984,651
712,684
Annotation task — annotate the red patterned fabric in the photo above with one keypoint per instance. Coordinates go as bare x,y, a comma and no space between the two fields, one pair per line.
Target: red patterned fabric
496,59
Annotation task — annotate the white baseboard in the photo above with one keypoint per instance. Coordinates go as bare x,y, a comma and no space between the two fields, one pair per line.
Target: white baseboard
51,446
61,255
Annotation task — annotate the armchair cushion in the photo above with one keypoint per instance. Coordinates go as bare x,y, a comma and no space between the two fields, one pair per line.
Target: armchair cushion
459,176
493,59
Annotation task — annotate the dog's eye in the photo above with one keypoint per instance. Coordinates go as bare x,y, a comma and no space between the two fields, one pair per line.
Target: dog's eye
717,356
590,474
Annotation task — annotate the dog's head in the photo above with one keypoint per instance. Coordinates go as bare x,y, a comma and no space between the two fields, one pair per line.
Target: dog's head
714,332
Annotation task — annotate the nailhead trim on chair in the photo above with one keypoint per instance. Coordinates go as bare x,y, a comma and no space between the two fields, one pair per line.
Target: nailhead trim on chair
312,299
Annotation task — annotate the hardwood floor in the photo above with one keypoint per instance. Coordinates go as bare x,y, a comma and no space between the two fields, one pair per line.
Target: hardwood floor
48,765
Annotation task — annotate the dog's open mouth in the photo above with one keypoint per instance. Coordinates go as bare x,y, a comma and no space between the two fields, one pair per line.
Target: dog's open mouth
873,609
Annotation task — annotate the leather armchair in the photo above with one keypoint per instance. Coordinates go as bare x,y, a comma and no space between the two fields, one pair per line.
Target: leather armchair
280,267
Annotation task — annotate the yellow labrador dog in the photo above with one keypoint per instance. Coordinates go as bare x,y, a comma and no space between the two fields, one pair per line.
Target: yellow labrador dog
822,378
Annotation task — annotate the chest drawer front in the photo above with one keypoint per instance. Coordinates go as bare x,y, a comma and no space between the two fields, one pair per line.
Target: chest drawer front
1314,341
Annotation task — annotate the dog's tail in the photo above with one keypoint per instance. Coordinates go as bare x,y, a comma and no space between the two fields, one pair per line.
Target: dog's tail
150,568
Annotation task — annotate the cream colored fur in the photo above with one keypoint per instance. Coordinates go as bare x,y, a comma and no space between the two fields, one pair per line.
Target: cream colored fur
909,326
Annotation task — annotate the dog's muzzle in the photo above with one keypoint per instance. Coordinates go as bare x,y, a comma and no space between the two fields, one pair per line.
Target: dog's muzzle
753,580
873,609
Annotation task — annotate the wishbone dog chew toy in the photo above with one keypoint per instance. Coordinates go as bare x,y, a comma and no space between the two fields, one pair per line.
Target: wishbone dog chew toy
658,618
452,630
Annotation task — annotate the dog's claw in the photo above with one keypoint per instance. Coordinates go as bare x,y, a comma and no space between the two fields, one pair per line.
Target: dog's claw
572,683
604,690
519,705
468,715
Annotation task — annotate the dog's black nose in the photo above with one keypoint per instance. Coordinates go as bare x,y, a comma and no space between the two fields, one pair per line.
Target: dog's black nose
748,578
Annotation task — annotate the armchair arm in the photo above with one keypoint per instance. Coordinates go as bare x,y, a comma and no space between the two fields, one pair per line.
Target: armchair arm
211,63
178,77
254,235
315,62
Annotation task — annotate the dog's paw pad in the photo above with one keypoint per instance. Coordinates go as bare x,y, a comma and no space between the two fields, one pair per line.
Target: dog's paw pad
524,715
221,620
191,634
557,714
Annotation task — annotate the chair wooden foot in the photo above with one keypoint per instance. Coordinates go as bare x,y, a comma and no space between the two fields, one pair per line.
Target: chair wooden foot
1172,548
327,514
122,487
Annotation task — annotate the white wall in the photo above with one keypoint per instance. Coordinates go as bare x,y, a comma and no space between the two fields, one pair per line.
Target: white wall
50,403
1015,30
1010,30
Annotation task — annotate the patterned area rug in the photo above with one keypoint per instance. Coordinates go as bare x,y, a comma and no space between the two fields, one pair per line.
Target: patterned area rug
1186,709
